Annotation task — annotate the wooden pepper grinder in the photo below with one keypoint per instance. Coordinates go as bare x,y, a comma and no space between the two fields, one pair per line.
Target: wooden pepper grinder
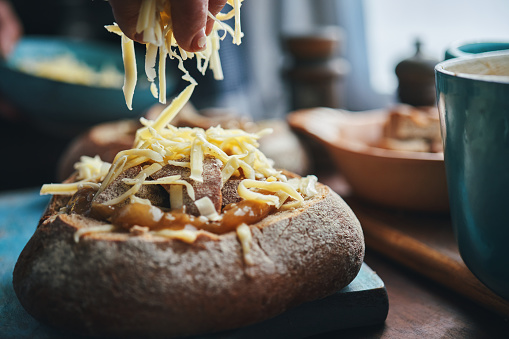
315,73
416,76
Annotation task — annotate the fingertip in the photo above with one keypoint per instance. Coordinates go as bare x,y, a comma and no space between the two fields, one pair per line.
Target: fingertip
138,37
199,42
189,18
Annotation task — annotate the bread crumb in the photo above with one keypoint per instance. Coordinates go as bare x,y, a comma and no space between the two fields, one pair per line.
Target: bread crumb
139,230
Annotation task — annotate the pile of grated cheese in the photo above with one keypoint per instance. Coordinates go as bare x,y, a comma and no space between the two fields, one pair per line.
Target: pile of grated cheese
67,68
158,143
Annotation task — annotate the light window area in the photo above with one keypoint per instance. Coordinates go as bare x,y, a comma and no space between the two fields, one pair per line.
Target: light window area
392,26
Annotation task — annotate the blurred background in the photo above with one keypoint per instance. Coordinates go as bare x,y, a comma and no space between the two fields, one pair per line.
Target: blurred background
295,54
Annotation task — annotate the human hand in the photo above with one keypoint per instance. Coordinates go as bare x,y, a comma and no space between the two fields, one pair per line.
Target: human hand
189,19
10,28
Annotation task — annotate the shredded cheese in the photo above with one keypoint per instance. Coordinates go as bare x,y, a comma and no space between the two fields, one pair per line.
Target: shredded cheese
158,143
147,153
236,149
91,168
207,209
65,189
130,70
176,197
188,236
230,167
245,238
166,115
306,186
94,229
137,200
196,160
274,186
115,170
90,171
171,180
132,191
67,68
179,163
154,22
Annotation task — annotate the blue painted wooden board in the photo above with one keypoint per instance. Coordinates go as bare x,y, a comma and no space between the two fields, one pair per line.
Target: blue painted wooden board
364,302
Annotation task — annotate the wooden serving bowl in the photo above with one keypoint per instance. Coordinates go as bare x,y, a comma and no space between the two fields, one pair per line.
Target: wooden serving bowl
398,179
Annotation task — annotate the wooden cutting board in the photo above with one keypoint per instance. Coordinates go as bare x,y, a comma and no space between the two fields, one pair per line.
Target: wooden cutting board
364,302
425,243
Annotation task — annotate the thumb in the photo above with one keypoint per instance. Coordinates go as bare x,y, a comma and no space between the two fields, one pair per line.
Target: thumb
126,14
189,18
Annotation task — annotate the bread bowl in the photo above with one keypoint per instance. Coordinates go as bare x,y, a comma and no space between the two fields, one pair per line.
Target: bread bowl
174,270
141,285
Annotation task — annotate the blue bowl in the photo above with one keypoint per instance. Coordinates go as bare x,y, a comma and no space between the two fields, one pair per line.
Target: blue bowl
56,102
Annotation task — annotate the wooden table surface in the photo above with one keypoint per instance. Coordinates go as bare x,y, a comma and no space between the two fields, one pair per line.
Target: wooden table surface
419,307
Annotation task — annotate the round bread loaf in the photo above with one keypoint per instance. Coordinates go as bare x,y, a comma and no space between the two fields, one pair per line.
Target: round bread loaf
142,285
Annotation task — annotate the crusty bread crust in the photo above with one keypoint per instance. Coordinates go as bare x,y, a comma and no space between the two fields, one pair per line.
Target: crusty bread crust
147,286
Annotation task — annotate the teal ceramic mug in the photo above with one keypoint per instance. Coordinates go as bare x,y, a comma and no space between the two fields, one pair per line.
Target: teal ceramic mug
473,100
